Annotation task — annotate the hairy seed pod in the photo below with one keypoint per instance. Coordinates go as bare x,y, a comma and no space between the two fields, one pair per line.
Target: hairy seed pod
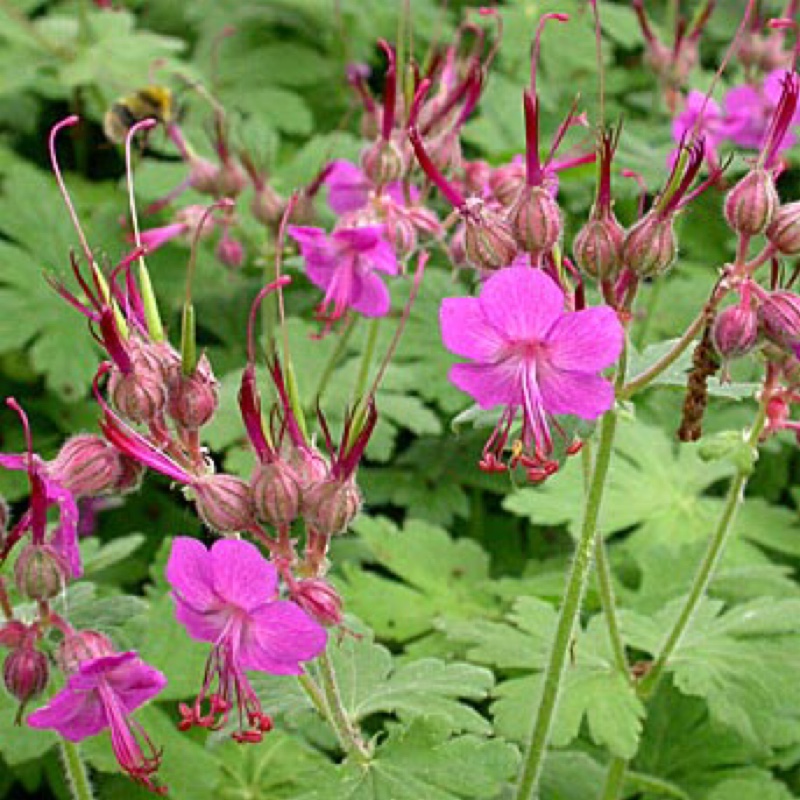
26,673
383,162
82,646
319,600
331,506
735,331
489,242
87,466
193,399
784,230
224,503
276,493
752,203
650,247
779,315
536,220
40,573
597,248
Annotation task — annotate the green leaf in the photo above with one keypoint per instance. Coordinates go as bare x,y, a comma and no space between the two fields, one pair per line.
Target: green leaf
422,762
97,557
594,689
432,577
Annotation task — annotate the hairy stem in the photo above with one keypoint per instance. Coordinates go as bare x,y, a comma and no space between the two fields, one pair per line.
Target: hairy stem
346,729
615,778
76,773
335,357
366,360
570,609
708,566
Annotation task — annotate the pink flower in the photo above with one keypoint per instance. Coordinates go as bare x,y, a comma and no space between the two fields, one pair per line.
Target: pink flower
344,266
228,596
715,127
102,694
530,356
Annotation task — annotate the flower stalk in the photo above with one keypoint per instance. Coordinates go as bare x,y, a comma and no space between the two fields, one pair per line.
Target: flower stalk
77,775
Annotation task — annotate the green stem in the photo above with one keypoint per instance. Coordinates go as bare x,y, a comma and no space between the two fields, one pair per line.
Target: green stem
315,695
708,566
335,357
609,604
615,779
77,776
651,785
649,312
366,360
346,729
570,609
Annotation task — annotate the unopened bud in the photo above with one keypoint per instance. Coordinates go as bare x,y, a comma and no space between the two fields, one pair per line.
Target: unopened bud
87,466
402,235
784,230
319,600
489,242
40,572
329,507
751,204
650,247
26,673
231,180
141,394
779,315
267,205
224,503
13,633
536,220
203,175
230,251
477,175
81,646
309,465
276,493
193,399
597,248
735,331
507,183
383,162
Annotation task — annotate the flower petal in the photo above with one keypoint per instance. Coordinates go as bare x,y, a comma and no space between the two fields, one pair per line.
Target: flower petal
348,187
206,625
279,636
584,395
521,303
134,681
488,384
369,296
317,250
242,576
75,714
189,573
465,331
585,341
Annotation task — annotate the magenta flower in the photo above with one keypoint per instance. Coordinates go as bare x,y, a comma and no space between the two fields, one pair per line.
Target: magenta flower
344,266
102,694
715,127
531,357
228,596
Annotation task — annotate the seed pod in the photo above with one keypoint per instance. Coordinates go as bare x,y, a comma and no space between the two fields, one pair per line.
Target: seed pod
26,673
597,248
231,180
276,493
506,183
224,503
230,251
82,646
193,399
203,175
141,394
650,247
40,573
383,162
87,466
267,205
784,230
489,242
536,220
752,203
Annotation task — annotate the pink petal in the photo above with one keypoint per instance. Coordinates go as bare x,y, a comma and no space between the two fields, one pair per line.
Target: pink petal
317,250
204,626
73,714
586,341
370,296
465,331
189,572
584,395
65,536
133,681
279,637
358,238
488,384
242,576
521,303
383,258
348,187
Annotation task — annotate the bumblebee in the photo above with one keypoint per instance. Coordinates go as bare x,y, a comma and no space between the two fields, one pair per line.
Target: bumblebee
149,102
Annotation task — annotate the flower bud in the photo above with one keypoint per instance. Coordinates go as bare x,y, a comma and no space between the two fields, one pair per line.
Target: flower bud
383,162
536,220
319,600
224,503
82,646
477,175
735,331
267,205
597,248
488,239
40,572
751,204
276,493
309,465
13,633
231,180
193,399
650,247
26,673
506,183
87,466
230,251
779,315
329,507
141,394
203,175
784,230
